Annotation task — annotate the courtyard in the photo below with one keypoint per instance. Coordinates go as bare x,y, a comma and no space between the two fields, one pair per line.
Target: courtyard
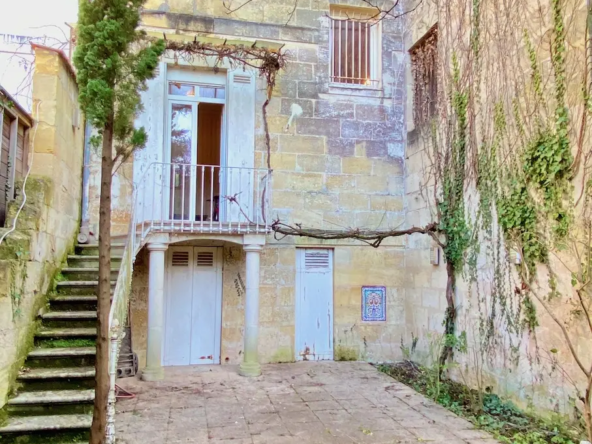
307,402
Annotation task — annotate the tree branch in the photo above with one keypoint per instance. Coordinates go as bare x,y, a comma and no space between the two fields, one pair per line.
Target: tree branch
371,237
565,334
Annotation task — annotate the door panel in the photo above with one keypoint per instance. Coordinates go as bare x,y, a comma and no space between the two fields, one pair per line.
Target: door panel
314,304
193,306
207,286
177,347
241,146
183,154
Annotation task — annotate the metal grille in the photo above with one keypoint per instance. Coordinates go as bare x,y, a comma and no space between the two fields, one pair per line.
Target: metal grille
180,259
205,259
352,34
316,259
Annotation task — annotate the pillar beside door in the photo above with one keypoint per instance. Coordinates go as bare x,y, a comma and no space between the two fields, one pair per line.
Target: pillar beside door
250,365
154,370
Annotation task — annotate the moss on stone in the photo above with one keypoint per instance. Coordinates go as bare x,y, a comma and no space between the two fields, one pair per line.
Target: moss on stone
15,246
38,190
343,353
283,355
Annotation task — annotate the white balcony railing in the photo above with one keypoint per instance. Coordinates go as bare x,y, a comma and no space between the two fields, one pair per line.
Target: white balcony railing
189,198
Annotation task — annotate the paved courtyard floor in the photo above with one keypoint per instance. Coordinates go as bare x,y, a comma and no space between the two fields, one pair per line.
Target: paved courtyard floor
325,402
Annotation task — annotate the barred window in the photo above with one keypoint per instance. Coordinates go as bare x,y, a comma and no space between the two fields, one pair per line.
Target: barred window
424,69
355,46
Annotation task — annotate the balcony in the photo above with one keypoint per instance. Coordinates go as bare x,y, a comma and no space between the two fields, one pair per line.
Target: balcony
202,199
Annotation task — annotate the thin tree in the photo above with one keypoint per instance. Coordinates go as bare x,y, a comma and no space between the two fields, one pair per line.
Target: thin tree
113,62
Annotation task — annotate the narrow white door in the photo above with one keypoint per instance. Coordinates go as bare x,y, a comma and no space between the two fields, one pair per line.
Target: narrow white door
193,306
207,306
314,304
178,322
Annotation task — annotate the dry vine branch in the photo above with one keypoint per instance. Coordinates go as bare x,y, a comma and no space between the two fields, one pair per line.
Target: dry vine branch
371,237
268,62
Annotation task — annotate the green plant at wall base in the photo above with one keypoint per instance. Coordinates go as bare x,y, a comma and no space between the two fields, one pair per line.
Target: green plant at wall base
506,422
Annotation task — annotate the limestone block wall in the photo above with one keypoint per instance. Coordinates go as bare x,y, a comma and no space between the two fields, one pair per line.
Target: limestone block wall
527,374
47,226
340,164
121,196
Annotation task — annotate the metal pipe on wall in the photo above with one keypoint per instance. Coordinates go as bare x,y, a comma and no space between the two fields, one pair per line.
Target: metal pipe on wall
84,234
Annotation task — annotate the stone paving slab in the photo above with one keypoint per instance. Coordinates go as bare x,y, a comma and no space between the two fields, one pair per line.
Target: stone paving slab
301,403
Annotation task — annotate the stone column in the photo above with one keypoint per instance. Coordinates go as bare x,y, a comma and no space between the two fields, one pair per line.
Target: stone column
250,365
154,370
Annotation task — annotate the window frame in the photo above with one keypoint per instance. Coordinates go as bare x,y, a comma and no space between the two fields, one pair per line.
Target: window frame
423,116
357,15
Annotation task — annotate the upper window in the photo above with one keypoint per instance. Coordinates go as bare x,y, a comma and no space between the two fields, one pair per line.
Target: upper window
355,46
191,90
424,68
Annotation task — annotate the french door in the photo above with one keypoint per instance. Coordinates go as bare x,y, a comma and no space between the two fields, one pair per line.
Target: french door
182,172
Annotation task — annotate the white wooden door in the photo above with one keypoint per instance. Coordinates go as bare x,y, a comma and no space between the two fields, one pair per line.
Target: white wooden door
207,306
193,306
179,298
314,304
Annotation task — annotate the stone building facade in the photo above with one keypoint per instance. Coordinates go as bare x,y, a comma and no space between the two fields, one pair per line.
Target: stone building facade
337,156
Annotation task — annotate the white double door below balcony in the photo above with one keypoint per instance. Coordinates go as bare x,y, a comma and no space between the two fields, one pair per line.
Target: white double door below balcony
193,306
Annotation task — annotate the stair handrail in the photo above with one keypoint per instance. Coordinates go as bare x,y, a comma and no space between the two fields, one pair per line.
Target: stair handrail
118,315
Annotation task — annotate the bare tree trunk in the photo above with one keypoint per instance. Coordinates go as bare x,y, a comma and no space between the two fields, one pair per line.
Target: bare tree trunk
450,320
99,423
587,409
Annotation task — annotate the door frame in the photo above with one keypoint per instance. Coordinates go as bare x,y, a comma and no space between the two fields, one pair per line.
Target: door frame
196,79
218,259
300,269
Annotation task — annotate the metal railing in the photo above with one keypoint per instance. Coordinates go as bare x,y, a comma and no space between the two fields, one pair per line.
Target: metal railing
188,199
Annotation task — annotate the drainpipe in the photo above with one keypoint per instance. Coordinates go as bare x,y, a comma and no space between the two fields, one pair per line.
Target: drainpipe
84,234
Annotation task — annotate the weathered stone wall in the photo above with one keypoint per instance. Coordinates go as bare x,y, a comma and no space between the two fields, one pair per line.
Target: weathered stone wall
121,196
529,374
341,164
47,226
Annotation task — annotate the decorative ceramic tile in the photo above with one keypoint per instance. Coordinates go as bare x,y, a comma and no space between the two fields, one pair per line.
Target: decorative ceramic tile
373,304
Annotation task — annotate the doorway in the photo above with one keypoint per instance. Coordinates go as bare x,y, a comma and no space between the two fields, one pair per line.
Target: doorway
314,304
196,115
193,306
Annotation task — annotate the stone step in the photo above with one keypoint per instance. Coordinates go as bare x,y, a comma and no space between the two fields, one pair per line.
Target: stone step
24,424
93,249
72,298
66,332
80,287
84,274
65,315
90,261
57,373
53,397
76,284
67,352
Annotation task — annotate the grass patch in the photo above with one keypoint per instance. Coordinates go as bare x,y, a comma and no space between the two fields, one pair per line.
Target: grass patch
67,343
486,411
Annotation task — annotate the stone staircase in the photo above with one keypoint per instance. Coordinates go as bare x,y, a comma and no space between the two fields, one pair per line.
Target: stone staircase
55,388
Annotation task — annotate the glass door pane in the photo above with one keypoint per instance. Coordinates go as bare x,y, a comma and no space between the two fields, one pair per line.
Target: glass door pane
183,123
